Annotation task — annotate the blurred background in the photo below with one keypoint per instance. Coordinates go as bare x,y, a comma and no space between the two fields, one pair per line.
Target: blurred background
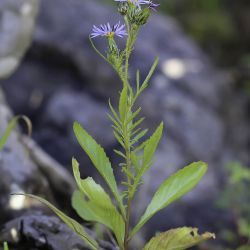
201,90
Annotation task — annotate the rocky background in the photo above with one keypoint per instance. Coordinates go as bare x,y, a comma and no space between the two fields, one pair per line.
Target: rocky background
61,80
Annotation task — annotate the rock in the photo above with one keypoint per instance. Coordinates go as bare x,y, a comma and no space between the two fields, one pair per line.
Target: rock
62,79
27,169
40,231
18,172
76,107
16,27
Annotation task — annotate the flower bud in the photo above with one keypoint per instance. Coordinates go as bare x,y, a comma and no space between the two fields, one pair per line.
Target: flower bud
123,8
138,17
113,49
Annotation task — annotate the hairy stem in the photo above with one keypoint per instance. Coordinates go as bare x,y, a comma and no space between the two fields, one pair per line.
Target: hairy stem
127,47
128,166
132,34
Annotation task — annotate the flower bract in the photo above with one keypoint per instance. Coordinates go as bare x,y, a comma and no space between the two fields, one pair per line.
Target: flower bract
138,3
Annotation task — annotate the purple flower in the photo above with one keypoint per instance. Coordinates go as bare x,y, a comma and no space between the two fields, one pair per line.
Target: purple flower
138,3
135,2
109,31
153,6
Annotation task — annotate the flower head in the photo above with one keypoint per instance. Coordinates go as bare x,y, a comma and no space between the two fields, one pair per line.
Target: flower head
137,3
153,6
109,31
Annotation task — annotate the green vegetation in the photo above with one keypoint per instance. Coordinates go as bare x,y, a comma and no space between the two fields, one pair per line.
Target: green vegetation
236,199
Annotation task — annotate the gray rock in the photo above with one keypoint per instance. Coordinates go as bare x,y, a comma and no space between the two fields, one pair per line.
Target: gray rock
82,108
27,169
67,106
18,172
39,231
17,18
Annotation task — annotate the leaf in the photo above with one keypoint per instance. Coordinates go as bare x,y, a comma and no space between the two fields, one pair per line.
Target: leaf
137,80
151,146
139,136
172,189
135,162
74,225
118,152
151,72
137,123
94,204
11,126
123,103
5,246
133,115
116,117
99,159
119,139
177,239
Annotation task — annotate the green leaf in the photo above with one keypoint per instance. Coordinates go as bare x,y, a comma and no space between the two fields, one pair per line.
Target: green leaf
100,161
11,126
150,147
135,162
137,123
74,225
123,103
177,239
119,139
132,116
140,89
116,125
118,152
151,72
5,246
137,80
172,189
94,204
116,117
139,136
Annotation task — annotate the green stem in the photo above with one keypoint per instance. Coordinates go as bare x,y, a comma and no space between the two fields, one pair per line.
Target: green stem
127,47
127,138
132,34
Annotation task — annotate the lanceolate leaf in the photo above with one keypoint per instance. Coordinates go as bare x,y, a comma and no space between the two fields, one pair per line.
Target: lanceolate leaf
99,159
139,136
172,189
177,239
11,126
151,72
123,103
94,204
132,115
151,146
74,225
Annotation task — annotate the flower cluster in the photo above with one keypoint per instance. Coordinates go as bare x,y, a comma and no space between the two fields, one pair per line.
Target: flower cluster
136,15
138,3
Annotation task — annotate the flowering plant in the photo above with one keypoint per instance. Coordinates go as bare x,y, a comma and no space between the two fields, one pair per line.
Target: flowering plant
91,201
